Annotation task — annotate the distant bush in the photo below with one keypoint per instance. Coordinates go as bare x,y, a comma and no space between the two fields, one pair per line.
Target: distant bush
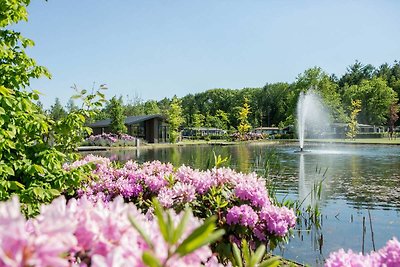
247,136
109,139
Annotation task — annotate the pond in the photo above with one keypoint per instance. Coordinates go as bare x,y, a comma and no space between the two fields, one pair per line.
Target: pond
359,200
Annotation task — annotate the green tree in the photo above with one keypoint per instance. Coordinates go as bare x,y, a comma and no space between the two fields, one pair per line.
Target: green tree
175,119
356,73
198,121
33,146
318,80
376,98
244,112
71,106
117,124
151,107
57,111
222,120
16,68
353,125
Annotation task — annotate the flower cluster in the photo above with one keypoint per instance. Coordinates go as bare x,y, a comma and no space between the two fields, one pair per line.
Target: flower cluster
238,199
247,136
387,256
110,139
82,233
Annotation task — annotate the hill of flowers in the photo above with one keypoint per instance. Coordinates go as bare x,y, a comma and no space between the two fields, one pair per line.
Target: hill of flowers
239,200
82,233
388,256
110,139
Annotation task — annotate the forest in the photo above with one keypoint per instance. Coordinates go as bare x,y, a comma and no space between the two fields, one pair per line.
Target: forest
274,104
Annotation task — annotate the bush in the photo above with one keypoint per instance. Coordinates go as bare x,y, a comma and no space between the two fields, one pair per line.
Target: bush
82,233
247,136
240,201
111,140
386,256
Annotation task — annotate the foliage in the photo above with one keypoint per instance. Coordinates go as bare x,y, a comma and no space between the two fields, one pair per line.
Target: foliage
353,125
376,97
117,124
393,114
175,119
57,111
16,68
81,233
243,115
246,257
33,149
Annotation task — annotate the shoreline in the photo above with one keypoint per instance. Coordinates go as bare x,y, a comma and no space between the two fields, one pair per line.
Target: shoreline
367,141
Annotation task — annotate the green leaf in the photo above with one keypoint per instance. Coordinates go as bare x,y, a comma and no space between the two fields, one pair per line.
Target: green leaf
140,231
15,185
39,192
150,260
271,262
54,192
181,226
237,255
246,251
201,236
158,211
258,255
9,170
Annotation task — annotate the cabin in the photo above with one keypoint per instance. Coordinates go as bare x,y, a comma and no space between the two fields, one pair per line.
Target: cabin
268,130
151,128
202,131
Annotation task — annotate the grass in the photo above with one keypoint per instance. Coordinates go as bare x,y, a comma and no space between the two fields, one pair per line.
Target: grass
378,141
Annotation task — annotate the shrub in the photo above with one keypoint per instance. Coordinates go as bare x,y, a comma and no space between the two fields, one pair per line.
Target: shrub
387,256
110,139
240,201
82,233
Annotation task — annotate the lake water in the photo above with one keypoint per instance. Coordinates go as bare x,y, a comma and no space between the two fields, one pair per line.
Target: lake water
359,183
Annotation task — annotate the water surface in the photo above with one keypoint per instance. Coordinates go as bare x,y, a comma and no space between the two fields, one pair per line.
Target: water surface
359,183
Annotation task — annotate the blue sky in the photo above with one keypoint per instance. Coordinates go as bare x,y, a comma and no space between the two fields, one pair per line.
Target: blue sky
156,49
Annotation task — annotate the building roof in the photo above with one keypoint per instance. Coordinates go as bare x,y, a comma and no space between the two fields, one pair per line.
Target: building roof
204,129
266,128
128,121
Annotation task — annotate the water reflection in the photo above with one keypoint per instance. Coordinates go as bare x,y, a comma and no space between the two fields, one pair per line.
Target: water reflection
358,178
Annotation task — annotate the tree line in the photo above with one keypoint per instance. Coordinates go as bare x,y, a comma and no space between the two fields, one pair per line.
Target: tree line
376,88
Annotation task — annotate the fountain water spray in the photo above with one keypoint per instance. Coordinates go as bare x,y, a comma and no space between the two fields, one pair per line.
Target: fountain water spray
311,113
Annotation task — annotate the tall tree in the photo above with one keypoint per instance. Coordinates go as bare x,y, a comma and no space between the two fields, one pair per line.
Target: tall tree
175,119
393,117
244,112
117,116
57,111
151,107
376,98
71,106
353,125
356,73
319,81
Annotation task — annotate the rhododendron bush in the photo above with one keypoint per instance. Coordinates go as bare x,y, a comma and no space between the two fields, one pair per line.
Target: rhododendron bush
83,233
240,201
388,256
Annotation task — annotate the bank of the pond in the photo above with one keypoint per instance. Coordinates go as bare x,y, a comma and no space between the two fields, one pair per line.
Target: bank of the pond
366,141
179,144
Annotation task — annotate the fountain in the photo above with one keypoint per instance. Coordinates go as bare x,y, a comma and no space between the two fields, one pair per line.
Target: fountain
311,114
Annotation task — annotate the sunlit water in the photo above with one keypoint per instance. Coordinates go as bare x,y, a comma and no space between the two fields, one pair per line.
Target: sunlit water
358,178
